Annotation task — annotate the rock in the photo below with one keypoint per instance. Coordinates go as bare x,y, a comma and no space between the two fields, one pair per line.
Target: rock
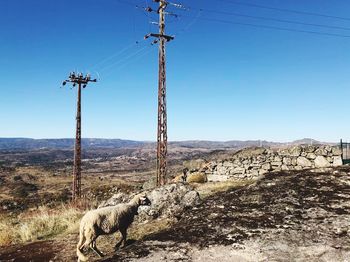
287,161
295,151
217,178
310,149
263,172
115,200
336,151
278,159
254,173
321,152
278,164
168,201
238,170
285,168
337,161
321,161
311,156
266,166
303,162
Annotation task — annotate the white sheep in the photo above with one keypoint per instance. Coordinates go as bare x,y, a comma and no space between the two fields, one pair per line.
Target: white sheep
107,220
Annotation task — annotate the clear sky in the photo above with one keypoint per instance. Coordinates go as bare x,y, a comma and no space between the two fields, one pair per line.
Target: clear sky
225,80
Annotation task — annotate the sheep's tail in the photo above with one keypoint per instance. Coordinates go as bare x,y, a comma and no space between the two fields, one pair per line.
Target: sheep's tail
80,255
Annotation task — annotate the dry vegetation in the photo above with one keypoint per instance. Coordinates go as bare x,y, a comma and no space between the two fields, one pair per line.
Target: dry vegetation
207,189
43,223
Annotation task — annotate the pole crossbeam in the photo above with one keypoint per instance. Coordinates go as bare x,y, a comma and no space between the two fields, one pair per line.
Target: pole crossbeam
80,81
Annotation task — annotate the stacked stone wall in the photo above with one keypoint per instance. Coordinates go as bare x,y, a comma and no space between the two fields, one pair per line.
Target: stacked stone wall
253,162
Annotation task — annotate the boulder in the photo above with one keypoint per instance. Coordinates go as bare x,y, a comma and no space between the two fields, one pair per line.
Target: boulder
336,151
295,151
168,201
266,166
337,161
303,162
287,161
276,164
217,178
321,161
321,152
237,170
311,156
310,149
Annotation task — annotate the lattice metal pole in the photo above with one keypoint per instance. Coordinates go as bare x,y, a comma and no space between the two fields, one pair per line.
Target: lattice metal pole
80,81
162,136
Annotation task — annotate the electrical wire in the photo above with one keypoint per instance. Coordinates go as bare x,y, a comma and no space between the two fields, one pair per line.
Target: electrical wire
272,27
274,19
132,60
116,54
286,10
123,60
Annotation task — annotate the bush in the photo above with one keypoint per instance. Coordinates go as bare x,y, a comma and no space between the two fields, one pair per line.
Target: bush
197,178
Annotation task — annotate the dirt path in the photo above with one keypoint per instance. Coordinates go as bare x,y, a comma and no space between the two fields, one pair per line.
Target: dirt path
294,216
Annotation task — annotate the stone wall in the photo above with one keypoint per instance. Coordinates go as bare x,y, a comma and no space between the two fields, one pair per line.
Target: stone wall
253,162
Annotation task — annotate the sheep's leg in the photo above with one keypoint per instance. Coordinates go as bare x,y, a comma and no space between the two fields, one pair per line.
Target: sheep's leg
118,244
124,234
123,240
95,249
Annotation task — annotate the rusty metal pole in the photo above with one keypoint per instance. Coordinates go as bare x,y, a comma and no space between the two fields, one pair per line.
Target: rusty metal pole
80,81
162,137
77,150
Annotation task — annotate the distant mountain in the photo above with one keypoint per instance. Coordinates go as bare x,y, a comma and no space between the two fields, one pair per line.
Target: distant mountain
90,143
223,145
29,143
307,141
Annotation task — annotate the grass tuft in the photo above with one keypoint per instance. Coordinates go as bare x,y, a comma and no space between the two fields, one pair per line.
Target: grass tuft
43,223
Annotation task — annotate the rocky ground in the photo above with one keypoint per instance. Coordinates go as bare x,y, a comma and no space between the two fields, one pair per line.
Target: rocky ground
284,216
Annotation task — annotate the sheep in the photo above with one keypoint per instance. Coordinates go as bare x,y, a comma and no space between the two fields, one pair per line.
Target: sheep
107,220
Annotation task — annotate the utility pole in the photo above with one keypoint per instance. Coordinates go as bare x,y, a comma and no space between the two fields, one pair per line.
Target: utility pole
80,81
162,136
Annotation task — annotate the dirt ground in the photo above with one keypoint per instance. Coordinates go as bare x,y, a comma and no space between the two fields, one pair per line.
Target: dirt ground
285,216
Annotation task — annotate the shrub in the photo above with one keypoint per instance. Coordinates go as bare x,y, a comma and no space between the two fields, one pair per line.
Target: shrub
197,178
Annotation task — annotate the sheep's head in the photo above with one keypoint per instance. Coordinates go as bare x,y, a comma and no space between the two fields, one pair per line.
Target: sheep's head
144,200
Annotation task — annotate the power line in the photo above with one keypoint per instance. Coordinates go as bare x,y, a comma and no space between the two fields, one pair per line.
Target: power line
272,27
120,61
274,19
286,10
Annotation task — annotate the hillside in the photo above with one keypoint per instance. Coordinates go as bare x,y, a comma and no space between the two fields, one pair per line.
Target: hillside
285,216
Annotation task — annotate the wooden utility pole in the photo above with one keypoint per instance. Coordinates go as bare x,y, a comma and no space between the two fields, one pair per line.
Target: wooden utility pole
162,136
80,81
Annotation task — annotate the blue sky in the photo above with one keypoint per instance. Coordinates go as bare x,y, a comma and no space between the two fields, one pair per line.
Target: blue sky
225,81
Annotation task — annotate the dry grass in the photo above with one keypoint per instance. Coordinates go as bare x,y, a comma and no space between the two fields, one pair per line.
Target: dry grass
211,188
197,178
42,223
